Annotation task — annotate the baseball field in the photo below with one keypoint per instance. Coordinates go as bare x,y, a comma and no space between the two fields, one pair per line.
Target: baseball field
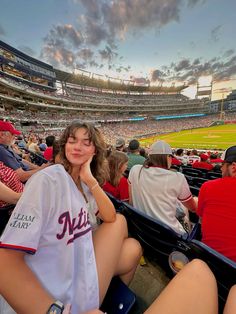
217,137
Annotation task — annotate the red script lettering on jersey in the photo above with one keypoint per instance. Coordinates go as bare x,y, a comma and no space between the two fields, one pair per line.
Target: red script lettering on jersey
76,227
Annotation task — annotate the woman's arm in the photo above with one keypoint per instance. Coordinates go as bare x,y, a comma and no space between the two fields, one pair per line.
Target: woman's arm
8,195
106,209
19,285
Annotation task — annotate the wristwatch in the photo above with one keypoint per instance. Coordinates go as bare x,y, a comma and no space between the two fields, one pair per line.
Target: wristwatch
56,308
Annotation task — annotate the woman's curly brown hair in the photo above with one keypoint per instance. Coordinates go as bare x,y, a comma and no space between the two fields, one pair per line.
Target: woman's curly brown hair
99,166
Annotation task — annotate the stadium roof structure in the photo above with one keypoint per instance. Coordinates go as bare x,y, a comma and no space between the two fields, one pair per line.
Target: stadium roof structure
24,56
85,80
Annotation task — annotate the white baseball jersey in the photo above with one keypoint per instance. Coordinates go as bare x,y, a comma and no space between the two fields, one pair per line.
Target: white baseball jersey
50,222
156,192
193,158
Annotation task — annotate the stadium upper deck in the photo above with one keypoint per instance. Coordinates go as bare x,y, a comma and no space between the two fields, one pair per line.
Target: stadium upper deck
22,67
30,85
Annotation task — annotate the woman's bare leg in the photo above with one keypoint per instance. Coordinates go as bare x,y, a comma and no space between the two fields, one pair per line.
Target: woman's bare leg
193,290
230,306
116,254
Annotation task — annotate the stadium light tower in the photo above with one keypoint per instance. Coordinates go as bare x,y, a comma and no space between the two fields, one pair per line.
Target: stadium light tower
204,87
222,91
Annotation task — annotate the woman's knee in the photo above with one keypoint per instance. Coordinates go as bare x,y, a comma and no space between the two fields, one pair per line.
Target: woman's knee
136,247
200,269
232,291
121,224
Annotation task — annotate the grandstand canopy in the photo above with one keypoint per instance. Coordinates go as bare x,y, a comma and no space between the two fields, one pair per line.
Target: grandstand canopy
101,83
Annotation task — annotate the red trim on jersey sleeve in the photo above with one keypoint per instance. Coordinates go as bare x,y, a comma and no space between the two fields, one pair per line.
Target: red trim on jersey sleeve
97,212
185,199
18,248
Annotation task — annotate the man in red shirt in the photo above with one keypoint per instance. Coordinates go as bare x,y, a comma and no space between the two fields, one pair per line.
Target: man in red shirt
203,163
48,153
217,207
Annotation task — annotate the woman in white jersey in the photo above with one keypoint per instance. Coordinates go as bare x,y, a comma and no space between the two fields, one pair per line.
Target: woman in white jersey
156,190
66,263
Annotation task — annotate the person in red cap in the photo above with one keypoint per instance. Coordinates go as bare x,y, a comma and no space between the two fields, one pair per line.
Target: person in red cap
203,163
22,167
7,126
217,207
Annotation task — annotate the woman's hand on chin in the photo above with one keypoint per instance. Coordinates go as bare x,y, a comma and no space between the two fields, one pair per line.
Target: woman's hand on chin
85,172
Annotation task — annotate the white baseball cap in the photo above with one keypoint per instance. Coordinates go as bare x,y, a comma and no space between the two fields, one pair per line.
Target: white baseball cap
160,148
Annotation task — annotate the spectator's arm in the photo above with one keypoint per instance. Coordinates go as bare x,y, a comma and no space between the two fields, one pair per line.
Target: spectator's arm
25,175
19,285
8,195
130,195
191,204
30,164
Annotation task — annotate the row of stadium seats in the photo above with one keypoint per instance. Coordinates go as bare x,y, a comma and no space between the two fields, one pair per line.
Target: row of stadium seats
200,173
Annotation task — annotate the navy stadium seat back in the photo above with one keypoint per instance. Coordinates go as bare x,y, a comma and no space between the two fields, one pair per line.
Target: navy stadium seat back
198,181
5,213
203,171
175,168
189,166
117,203
189,179
211,175
223,268
157,238
36,158
194,190
193,172
119,298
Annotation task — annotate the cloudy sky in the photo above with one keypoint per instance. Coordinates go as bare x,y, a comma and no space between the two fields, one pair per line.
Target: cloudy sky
147,40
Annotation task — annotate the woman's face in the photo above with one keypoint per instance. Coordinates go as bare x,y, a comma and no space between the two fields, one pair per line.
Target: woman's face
124,167
78,148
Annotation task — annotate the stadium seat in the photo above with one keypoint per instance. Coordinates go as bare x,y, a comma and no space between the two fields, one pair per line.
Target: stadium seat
5,213
211,175
36,158
194,190
198,181
188,166
117,203
223,268
175,168
119,298
157,238
192,172
189,179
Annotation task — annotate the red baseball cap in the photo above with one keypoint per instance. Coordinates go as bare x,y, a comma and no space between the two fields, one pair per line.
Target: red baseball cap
204,156
7,126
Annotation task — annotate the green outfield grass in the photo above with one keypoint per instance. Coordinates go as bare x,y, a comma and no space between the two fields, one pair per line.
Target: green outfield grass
217,137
